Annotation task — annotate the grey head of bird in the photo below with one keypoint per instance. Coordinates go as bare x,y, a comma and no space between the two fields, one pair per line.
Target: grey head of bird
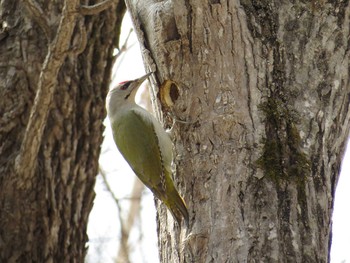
123,94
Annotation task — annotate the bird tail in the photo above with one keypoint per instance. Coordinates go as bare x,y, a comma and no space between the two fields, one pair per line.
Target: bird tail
177,207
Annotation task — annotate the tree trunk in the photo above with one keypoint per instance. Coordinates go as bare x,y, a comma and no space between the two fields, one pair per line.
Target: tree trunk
51,112
263,88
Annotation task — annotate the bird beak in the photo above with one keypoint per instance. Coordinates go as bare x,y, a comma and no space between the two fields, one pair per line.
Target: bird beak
136,84
139,81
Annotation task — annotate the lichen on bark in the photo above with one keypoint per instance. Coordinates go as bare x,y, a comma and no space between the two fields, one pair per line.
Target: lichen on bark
282,156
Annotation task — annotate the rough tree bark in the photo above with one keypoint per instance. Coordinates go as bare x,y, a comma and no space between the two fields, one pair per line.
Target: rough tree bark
264,89
56,60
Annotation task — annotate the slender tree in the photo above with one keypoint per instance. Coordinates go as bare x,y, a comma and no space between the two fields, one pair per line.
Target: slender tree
262,89
56,60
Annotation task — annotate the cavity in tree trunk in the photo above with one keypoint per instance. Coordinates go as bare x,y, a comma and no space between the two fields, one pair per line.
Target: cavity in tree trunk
263,90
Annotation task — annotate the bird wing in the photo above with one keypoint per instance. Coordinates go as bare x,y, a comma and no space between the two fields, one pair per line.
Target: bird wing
136,139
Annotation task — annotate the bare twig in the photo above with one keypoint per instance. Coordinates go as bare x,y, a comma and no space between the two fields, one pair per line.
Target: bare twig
133,212
57,52
95,9
39,17
124,47
124,233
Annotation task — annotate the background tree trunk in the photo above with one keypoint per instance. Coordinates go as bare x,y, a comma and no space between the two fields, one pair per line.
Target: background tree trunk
264,89
44,210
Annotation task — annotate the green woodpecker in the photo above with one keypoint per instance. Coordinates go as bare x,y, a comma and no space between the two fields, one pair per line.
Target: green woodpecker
144,145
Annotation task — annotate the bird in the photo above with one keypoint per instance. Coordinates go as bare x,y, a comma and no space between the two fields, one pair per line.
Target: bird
144,144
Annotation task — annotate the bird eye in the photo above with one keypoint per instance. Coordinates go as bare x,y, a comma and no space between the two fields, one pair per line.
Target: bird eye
125,85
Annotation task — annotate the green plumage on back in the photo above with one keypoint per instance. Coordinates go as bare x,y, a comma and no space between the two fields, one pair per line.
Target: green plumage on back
145,146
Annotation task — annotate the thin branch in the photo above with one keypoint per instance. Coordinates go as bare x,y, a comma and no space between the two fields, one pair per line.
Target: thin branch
26,160
124,233
124,47
133,212
122,50
37,14
95,9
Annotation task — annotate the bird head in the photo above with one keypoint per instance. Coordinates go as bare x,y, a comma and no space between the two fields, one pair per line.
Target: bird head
123,94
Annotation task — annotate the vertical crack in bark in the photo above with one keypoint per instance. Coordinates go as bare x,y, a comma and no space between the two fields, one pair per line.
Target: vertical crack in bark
189,24
247,70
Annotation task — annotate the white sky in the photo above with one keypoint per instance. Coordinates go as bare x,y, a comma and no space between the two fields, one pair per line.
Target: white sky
341,216
103,228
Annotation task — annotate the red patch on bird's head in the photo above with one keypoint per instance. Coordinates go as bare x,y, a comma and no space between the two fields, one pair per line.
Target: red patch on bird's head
124,85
